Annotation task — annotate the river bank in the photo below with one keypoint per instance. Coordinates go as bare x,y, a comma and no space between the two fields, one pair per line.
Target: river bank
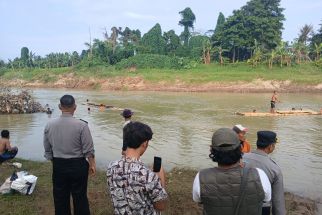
204,78
179,183
139,84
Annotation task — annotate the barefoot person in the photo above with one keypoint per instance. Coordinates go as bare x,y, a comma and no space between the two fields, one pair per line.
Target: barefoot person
274,99
6,151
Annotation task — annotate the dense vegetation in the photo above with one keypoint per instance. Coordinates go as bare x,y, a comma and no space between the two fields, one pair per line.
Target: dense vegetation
251,34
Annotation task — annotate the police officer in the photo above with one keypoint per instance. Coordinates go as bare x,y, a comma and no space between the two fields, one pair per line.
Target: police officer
266,141
68,144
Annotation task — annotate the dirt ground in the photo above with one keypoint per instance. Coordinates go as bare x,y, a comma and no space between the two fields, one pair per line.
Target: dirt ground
139,84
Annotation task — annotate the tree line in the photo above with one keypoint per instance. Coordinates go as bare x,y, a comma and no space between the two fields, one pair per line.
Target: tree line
252,34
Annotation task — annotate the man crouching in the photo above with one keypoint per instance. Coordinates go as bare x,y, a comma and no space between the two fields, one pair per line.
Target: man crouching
231,188
134,188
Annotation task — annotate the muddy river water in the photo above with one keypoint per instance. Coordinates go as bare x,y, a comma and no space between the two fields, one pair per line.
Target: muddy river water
183,124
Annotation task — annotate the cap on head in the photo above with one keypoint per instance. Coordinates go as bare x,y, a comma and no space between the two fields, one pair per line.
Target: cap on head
67,101
225,139
127,113
239,128
265,138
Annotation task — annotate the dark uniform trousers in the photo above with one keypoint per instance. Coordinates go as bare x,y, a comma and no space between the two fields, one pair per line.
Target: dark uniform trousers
266,210
70,176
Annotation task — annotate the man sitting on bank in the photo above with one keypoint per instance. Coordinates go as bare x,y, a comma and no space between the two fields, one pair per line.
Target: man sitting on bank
231,188
6,151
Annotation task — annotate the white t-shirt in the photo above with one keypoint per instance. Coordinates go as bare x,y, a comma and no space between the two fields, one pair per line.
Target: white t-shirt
126,122
263,178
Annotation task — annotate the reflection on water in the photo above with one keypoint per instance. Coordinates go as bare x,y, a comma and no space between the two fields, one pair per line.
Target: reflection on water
183,124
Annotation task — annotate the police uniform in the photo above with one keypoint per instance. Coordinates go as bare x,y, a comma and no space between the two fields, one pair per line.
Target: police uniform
261,160
68,142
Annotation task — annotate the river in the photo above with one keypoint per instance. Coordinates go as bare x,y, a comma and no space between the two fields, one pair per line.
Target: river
183,124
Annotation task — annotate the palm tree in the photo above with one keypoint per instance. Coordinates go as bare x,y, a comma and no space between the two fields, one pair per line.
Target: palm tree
304,33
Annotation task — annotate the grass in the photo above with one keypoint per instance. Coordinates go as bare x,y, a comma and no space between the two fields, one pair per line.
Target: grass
306,74
179,185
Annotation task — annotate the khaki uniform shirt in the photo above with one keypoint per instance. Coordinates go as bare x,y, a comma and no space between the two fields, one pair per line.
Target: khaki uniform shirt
261,160
67,137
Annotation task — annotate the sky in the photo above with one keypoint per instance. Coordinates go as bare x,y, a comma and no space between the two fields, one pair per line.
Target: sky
46,26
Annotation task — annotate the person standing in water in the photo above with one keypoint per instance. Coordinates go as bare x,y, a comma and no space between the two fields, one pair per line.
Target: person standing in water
127,114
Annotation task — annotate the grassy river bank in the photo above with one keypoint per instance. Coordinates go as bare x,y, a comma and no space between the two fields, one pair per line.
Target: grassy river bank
238,77
179,185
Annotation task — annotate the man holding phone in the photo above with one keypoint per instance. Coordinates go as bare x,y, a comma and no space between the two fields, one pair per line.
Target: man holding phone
134,188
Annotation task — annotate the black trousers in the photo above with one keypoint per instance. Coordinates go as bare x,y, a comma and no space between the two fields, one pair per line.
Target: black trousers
70,177
266,210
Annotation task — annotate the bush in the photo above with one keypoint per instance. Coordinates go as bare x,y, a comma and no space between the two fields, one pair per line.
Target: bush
2,71
87,62
319,63
144,61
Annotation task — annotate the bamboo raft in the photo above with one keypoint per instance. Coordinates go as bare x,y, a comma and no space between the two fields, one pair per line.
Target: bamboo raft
102,106
281,113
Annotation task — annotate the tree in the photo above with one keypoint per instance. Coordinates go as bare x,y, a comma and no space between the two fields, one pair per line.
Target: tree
130,39
83,54
316,42
317,38
153,42
24,56
235,37
172,42
271,58
256,55
206,49
265,19
216,38
114,36
317,50
197,47
305,31
2,64
187,20
260,20
75,58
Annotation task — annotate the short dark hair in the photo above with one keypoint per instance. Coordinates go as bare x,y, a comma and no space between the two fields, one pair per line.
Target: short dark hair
5,133
226,157
67,101
136,133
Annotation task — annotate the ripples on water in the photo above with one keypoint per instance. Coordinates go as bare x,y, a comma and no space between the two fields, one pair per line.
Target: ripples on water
183,124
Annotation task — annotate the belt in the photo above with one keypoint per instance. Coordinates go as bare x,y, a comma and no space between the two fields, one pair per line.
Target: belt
69,159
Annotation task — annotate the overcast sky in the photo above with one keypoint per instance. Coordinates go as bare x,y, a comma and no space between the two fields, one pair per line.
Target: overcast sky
46,26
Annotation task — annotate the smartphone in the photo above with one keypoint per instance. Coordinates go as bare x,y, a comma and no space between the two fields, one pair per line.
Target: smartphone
157,164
